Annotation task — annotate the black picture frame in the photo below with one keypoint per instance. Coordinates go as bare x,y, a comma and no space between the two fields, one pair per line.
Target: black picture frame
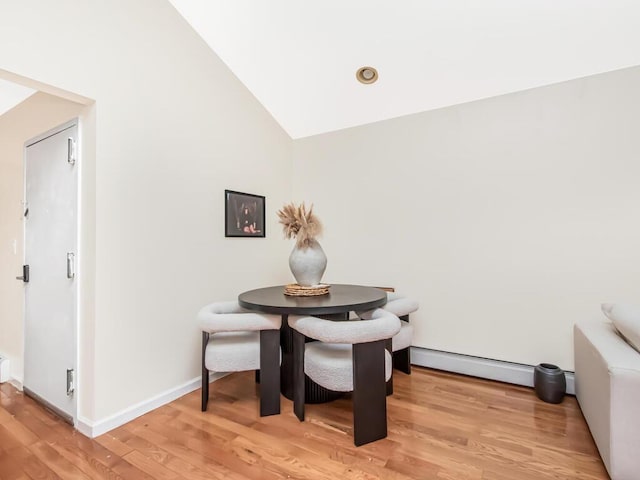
244,214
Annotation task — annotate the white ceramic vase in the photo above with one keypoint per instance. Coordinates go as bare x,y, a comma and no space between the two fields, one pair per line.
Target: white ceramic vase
308,264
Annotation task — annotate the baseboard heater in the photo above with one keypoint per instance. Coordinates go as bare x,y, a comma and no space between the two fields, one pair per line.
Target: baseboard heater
501,371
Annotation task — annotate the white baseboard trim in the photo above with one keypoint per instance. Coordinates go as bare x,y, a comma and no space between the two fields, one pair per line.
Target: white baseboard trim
95,429
507,372
501,371
16,382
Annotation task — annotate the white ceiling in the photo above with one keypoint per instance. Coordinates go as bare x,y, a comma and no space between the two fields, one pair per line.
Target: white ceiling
299,58
11,94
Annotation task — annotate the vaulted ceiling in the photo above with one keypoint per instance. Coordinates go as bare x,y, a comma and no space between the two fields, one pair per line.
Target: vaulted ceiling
299,57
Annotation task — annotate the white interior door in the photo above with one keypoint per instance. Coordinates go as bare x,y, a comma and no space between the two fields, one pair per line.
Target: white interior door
51,186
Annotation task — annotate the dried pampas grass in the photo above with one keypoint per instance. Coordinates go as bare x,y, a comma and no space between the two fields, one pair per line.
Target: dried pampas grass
300,224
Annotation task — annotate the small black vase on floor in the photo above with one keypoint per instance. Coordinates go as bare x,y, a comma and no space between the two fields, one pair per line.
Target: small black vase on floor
549,382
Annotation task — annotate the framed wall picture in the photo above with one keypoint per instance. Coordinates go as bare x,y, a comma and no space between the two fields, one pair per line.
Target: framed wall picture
243,214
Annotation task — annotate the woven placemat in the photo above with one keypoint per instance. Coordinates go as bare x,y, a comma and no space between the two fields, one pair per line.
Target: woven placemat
295,290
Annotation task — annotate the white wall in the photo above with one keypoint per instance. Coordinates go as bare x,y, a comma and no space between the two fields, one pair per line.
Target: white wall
37,114
174,128
509,219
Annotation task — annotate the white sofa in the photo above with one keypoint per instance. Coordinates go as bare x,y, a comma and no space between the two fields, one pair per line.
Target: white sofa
608,390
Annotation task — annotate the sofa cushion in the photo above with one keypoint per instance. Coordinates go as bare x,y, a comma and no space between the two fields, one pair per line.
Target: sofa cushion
626,319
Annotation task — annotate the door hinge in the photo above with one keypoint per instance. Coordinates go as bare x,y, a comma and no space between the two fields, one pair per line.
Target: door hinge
71,384
71,266
71,151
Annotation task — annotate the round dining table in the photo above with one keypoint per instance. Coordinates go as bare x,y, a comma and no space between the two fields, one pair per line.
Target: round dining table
335,305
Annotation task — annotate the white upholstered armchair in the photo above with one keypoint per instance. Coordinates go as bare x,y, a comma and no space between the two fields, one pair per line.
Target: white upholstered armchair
401,343
350,356
235,339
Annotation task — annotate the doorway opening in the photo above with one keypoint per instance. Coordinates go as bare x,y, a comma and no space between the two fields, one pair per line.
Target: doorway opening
27,124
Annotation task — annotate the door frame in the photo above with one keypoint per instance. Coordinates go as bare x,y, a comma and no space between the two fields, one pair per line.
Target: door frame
78,255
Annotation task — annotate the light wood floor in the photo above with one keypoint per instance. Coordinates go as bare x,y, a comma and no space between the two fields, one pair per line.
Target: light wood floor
441,426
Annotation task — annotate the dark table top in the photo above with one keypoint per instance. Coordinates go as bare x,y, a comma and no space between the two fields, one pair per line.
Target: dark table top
340,299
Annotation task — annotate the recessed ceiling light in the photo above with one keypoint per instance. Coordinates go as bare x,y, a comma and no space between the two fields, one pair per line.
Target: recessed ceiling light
367,75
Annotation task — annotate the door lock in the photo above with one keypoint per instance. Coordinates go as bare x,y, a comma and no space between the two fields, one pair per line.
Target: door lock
25,274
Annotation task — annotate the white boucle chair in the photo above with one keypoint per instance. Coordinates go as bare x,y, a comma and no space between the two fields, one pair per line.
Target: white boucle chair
235,339
401,343
350,357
